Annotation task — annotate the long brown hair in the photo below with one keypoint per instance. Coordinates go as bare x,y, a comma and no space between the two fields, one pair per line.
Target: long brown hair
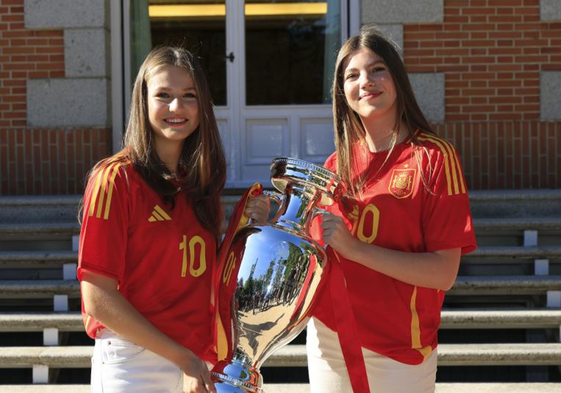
348,126
202,173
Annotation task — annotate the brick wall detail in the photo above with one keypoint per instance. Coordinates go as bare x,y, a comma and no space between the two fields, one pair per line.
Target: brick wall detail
43,162
38,161
507,154
24,54
491,52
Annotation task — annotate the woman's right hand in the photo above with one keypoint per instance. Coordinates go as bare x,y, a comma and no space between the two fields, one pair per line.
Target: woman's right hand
258,208
337,235
196,378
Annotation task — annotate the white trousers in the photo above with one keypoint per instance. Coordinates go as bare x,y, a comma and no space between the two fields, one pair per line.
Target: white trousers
119,366
328,372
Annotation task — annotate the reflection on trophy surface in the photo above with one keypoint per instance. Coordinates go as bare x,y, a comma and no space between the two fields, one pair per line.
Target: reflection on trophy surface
270,275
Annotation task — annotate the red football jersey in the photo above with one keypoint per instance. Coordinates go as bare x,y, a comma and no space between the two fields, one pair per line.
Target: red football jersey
416,201
161,256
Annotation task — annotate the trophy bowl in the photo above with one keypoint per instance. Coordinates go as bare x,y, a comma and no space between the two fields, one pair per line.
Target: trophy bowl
269,276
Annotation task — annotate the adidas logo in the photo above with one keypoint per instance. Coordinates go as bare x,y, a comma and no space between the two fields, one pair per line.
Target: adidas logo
159,215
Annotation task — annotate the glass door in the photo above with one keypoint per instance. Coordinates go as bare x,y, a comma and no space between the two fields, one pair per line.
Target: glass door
289,54
290,49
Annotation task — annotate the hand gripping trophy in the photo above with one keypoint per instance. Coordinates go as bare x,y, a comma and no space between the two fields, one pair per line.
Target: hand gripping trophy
268,276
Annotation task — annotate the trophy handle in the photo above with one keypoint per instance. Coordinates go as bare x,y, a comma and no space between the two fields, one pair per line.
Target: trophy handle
275,196
319,212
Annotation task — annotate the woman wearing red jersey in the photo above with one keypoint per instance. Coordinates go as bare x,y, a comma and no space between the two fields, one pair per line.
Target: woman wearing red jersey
151,226
397,235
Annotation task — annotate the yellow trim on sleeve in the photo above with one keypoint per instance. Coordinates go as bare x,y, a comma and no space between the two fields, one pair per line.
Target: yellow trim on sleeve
453,168
102,190
94,193
110,195
451,165
446,165
104,184
460,173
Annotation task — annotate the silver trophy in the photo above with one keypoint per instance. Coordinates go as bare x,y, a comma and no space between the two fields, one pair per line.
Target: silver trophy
270,274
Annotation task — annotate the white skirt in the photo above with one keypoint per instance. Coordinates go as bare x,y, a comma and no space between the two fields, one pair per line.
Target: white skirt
328,372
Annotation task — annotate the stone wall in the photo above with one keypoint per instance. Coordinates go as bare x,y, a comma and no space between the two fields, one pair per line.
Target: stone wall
55,96
487,73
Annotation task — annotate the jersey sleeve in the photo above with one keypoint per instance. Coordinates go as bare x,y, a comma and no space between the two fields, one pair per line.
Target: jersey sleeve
103,236
447,221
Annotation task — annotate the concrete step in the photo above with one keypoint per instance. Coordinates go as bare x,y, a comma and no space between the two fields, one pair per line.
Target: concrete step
37,259
39,229
484,203
510,224
38,265
37,321
48,258
505,285
60,208
295,355
499,354
54,235
32,209
54,357
504,212
465,285
515,203
544,318
451,319
454,355
483,254
44,259
39,288
497,387
38,236
507,261
516,224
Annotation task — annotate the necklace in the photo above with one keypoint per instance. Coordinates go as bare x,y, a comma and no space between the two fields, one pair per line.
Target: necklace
376,146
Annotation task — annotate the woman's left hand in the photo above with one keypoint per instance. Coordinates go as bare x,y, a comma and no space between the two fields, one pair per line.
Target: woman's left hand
337,235
258,208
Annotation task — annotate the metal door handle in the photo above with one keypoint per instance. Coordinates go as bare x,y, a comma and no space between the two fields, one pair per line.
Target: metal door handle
230,57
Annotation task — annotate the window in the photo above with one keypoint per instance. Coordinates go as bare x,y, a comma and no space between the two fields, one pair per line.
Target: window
290,45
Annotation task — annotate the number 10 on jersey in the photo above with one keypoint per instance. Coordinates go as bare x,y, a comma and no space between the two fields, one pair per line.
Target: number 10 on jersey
190,257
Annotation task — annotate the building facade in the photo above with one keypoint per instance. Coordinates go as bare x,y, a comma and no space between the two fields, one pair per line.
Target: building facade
487,73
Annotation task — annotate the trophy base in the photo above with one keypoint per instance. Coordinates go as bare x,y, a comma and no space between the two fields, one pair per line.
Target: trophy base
236,377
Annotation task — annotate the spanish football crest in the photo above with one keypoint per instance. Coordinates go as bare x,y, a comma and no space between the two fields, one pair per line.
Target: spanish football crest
401,183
